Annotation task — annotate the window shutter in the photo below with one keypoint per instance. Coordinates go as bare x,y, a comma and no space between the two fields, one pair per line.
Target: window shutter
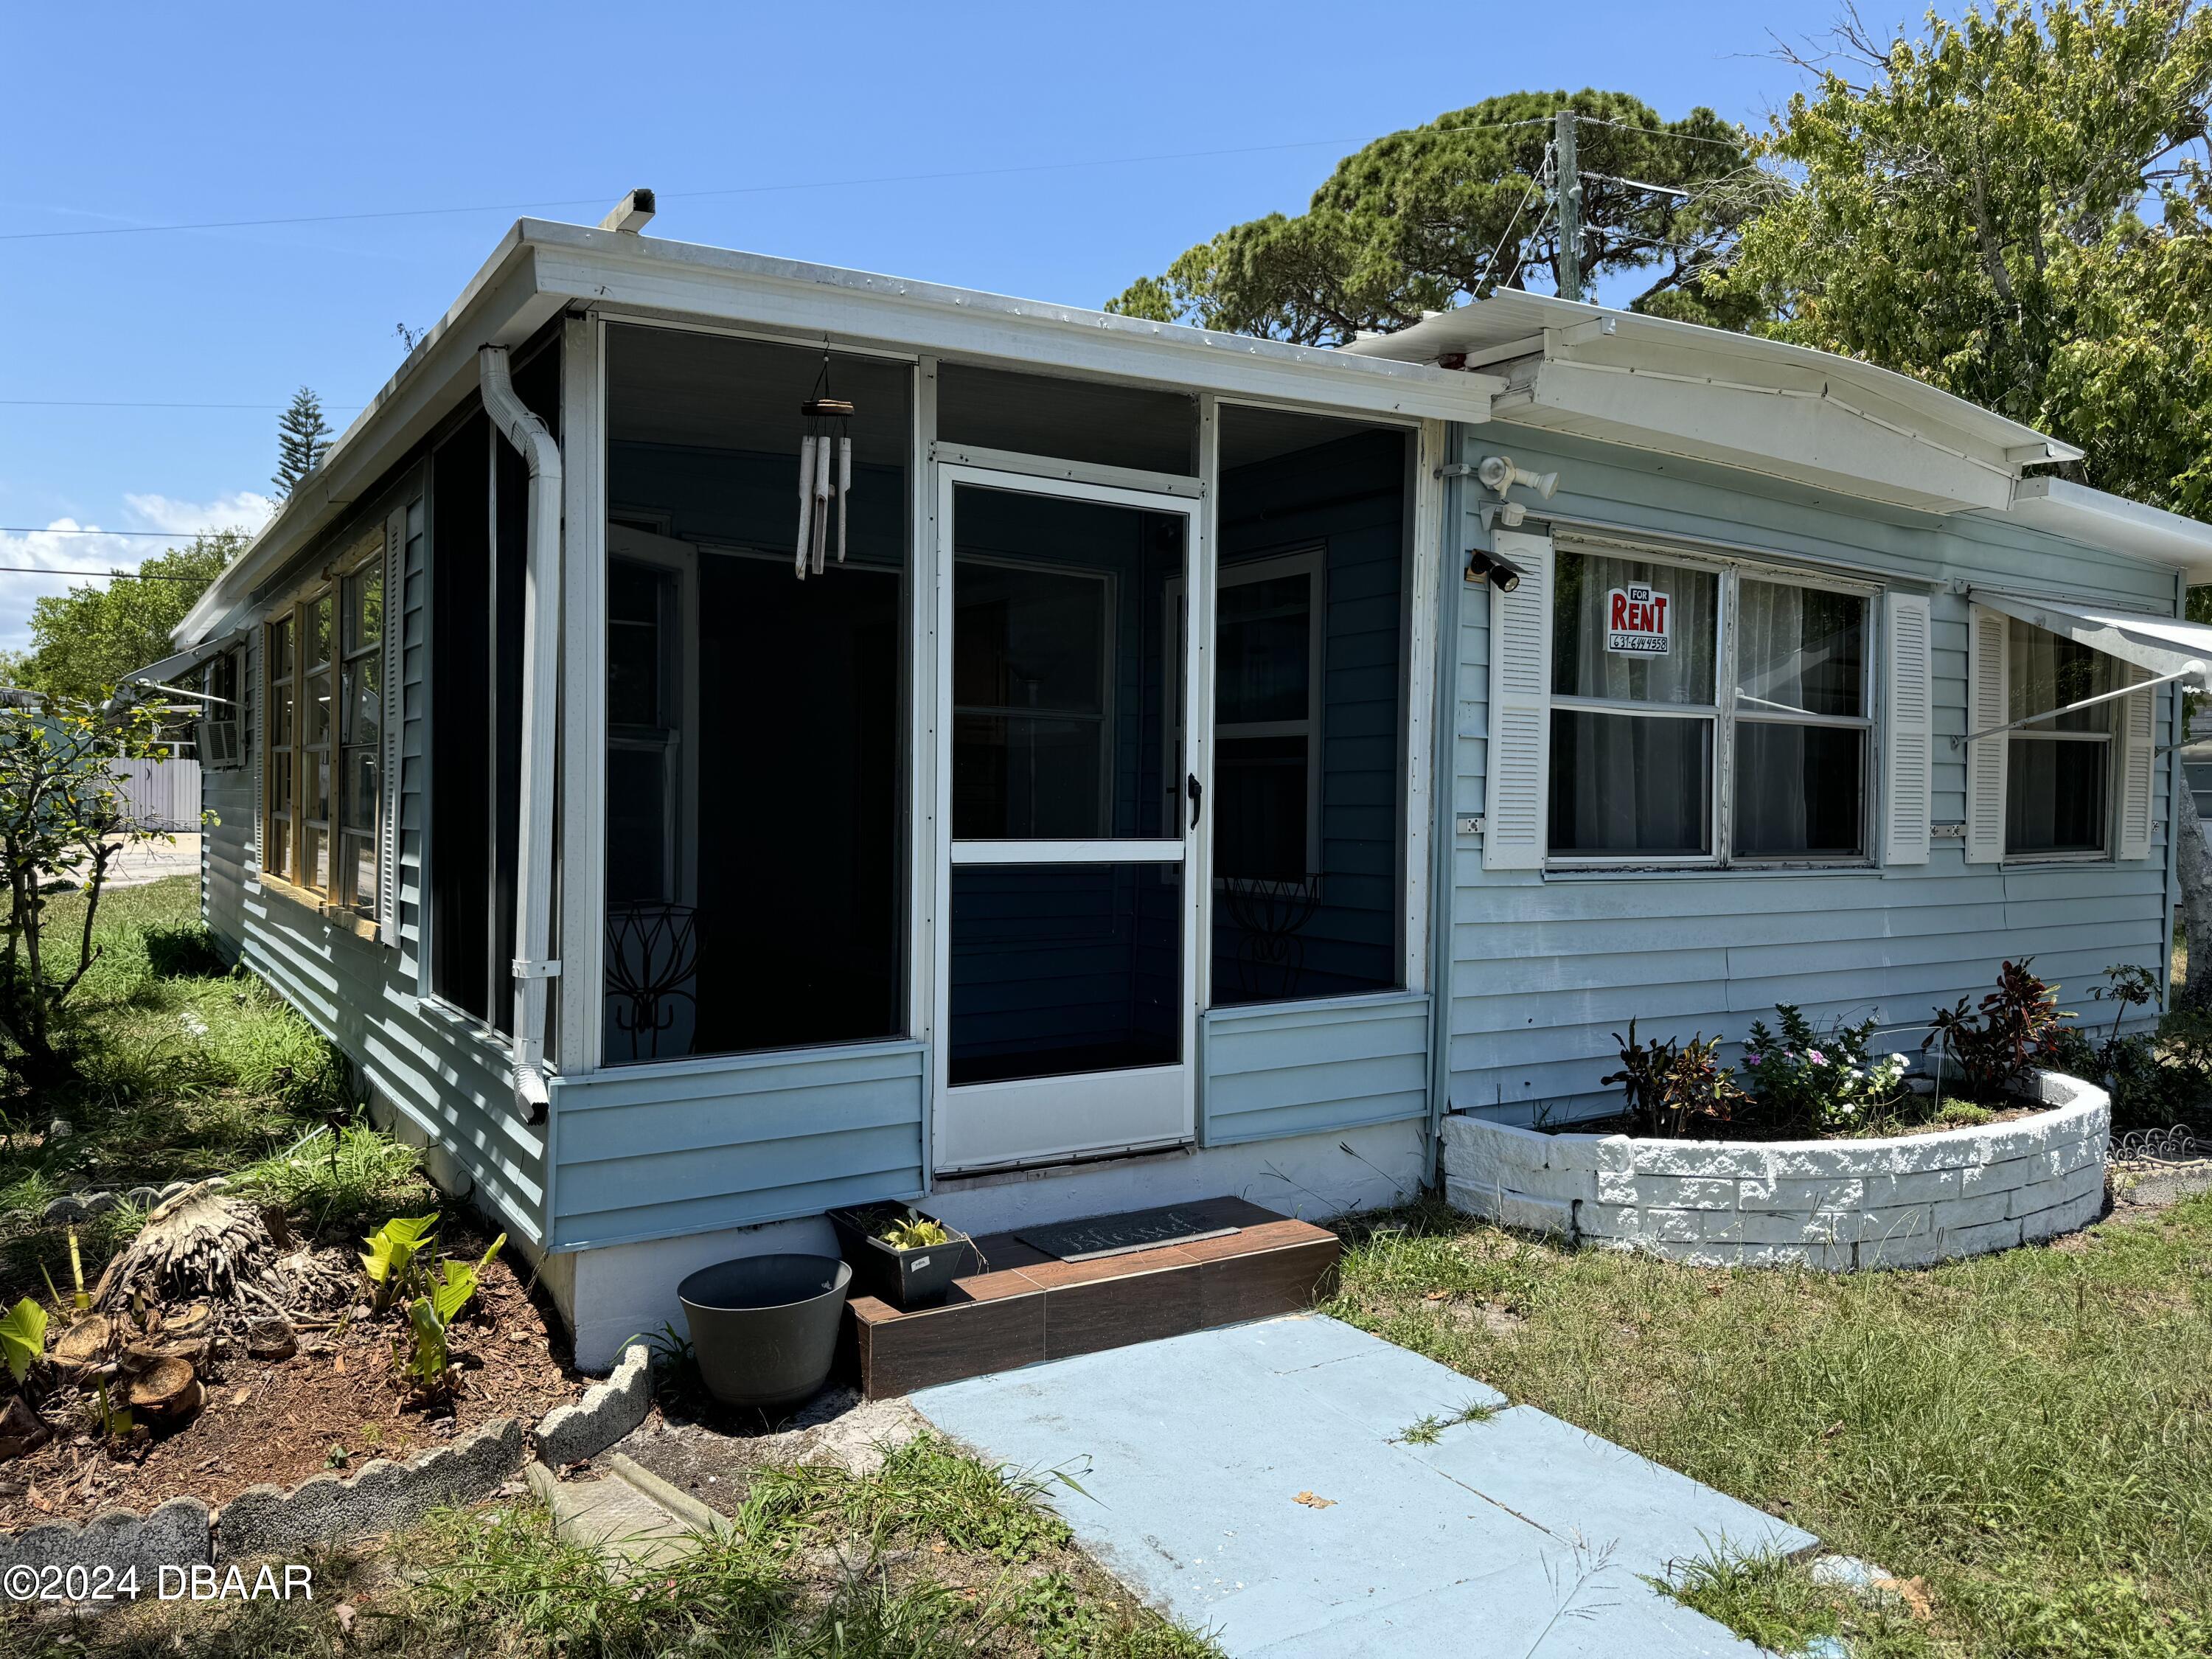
1518,771
387,818
2138,747
1908,732
1988,702
257,658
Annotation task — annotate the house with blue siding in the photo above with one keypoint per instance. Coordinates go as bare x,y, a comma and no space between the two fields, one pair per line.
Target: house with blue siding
721,738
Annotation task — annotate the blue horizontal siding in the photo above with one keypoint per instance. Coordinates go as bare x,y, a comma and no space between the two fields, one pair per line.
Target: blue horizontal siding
1293,1068
1545,970
653,1152
445,1075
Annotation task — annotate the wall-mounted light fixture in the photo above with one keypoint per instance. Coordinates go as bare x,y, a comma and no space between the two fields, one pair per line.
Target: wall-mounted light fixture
1500,473
1502,574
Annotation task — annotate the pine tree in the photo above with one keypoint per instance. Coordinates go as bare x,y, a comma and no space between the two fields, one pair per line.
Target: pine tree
302,436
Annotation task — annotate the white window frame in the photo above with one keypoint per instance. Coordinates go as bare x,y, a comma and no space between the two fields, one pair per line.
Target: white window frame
2034,731
1726,714
1311,561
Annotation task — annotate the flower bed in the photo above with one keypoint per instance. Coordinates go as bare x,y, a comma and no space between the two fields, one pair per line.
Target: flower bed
1839,1205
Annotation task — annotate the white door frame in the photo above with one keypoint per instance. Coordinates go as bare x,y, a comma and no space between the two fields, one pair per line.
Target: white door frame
1053,1120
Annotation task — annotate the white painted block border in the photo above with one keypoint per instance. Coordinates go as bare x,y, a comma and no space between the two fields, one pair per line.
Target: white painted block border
1839,1205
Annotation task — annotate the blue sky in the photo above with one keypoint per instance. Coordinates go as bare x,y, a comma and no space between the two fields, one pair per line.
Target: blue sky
128,116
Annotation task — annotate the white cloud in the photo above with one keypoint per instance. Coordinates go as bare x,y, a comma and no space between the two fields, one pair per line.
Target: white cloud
242,509
101,550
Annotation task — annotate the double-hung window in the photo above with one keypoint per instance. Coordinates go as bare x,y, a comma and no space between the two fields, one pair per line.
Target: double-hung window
1704,713
325,760
2058,770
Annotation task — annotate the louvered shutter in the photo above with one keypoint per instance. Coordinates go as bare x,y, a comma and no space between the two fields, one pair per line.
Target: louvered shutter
256,660
1908,732
1988,698
1518,772
2136,765
387,810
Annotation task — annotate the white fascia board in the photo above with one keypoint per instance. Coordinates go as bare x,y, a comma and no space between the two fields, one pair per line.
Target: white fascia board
503,306
2096,519
682,279
1799,435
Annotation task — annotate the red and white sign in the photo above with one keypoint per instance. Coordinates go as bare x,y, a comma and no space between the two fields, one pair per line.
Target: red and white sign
1635,620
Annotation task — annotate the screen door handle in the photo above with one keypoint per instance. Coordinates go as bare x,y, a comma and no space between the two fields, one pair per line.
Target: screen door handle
1197,795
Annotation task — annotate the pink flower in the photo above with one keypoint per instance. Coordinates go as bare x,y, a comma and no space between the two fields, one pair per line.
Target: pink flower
1816,1057
1750,1057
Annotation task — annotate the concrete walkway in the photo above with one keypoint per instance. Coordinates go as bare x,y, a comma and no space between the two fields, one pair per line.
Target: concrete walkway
1258,1483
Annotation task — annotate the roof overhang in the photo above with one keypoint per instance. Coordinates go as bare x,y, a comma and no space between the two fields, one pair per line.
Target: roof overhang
2079,514
540,268
1736,400
2166,646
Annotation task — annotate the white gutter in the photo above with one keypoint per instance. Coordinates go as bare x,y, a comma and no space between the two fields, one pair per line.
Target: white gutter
541,634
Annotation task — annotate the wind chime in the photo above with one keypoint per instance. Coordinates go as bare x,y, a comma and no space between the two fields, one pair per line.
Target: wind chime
825,474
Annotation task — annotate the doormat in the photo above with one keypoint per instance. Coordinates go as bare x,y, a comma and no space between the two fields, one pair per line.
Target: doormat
1099,1236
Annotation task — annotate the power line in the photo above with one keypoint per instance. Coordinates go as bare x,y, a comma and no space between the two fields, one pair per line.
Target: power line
41,529
741,190
97,575
81,403
677,195
1662,132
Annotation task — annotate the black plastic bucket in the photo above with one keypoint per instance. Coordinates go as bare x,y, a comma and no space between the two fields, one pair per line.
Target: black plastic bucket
764,1328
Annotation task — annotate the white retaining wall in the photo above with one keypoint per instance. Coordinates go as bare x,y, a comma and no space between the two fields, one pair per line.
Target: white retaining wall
1841,1204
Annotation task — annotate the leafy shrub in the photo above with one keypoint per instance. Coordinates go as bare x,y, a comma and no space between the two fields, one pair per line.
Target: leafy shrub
1674,1086
2017,1026
1817,1080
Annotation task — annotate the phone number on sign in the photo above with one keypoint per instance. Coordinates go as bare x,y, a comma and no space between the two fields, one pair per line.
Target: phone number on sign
197,1582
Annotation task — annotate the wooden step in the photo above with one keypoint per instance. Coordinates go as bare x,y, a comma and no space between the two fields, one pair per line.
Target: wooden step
1026,1307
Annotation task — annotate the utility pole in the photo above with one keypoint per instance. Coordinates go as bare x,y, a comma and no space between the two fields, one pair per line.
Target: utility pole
1570,207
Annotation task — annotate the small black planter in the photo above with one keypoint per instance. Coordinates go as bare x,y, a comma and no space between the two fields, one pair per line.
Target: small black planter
905,1279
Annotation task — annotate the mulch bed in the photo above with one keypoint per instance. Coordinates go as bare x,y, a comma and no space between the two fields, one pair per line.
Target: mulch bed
1757,1134
282,1421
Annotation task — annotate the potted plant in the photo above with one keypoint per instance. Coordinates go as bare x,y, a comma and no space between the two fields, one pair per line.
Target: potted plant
898,1252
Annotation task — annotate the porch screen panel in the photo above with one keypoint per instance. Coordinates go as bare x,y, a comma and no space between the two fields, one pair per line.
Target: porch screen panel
757,821
1307,807
479,559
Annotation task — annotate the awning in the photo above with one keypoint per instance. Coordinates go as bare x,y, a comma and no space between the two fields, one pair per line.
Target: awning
2170,648
156,676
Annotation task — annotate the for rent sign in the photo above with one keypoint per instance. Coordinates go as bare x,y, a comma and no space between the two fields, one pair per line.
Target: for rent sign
1635,620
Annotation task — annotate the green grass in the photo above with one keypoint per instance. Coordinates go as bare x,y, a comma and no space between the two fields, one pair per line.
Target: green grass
2029,1433
184,1070
935,1553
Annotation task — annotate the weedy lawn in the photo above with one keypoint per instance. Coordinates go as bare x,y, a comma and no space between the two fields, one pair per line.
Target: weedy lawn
934,1554
2027,1435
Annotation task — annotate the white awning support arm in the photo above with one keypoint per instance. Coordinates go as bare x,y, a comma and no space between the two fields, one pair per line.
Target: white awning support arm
2194,669
541,670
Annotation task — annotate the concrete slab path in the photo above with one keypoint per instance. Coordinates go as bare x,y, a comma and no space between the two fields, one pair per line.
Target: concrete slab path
1257,1483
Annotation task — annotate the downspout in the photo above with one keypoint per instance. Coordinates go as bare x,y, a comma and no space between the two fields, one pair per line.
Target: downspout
1443,801
541,634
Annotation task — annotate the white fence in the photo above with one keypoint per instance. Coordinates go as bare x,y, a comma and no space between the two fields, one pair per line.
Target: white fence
163,795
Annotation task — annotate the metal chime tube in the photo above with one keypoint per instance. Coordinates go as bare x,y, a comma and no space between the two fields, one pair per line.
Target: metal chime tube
806,503
821,500
844,489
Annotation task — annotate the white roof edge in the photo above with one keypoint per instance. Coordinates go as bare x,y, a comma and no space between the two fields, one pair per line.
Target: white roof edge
311,506
2100,518
1514,311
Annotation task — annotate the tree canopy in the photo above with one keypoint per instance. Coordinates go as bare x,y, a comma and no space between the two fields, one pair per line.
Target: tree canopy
1422,219
302,437
2014,208
84,642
